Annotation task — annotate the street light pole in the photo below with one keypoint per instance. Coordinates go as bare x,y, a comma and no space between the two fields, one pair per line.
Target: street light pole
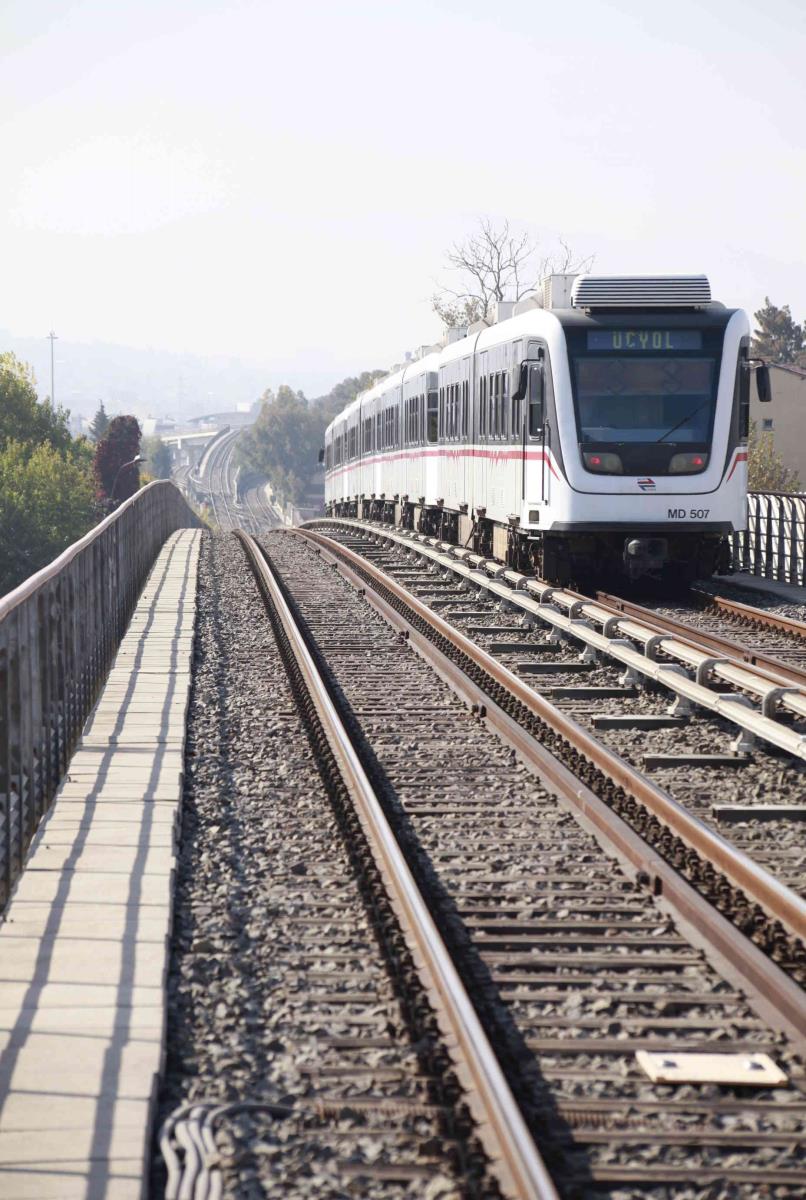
53,338
137,459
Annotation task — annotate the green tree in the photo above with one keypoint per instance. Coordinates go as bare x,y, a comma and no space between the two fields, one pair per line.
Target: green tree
284,442
288,433
765,469
778,338
158,457
100,423
329,405
46,503
22,416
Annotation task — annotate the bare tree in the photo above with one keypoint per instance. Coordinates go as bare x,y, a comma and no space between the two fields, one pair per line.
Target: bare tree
496,264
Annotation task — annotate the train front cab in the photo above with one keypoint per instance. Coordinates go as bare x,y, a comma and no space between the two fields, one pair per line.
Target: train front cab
643,456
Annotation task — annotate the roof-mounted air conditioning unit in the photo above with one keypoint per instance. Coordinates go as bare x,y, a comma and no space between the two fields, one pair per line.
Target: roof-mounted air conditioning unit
499,310
556,290
640,291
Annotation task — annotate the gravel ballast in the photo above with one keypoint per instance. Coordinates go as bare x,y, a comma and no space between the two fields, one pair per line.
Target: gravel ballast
277,993
582,968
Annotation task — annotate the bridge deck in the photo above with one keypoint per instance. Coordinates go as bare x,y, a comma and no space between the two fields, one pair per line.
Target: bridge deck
84,950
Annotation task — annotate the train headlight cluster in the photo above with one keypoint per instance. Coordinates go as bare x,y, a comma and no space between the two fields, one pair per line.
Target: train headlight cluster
689,463
603,462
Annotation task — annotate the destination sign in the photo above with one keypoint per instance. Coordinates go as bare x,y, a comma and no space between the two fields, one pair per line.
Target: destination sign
644,339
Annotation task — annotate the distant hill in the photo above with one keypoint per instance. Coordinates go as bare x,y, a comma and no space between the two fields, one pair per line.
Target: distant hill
152,382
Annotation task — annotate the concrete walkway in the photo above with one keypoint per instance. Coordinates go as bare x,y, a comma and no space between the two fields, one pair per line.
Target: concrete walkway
791,593
84,949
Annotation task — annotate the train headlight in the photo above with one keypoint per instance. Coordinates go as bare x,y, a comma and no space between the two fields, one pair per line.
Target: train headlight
689,463
603,462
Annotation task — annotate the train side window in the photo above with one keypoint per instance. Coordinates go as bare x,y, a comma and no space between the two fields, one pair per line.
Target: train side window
504,405
464,409
516,416
482,406
534,394
432,420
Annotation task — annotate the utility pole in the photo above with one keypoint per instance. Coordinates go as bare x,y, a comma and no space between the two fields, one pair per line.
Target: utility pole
53,338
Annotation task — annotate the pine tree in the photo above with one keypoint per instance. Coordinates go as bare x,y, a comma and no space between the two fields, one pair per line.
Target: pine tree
778,338
100,423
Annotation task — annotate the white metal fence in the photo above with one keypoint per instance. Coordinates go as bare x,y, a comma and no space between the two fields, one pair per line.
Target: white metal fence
774,545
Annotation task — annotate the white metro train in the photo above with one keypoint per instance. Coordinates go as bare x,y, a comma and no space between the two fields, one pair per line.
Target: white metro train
598,430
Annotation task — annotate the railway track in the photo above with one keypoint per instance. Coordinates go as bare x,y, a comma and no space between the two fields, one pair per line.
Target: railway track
303,1049
642,733
513,1156
749,615
573,962
218,473
260,515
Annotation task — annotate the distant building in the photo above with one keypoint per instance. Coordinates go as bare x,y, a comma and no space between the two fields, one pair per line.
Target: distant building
785,416
156,426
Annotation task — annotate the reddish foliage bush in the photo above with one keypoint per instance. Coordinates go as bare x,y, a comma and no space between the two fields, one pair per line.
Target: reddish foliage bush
119,445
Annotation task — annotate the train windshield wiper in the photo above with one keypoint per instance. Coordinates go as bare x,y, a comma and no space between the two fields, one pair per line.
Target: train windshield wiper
685,421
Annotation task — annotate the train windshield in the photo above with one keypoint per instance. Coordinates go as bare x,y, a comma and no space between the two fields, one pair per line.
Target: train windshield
646,399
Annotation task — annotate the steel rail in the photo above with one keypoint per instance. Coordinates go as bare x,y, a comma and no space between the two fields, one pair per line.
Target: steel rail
546,604
778,993
749,614
514,1158
773,668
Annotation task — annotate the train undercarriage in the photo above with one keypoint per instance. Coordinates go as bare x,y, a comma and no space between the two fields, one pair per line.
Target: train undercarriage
580,559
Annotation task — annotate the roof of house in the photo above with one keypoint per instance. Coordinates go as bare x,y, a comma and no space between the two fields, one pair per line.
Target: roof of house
790,368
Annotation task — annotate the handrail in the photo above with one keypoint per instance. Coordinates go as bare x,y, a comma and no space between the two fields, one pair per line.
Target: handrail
59,632
29,585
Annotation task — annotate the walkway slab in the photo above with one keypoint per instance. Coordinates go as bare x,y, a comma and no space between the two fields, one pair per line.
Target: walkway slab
84,947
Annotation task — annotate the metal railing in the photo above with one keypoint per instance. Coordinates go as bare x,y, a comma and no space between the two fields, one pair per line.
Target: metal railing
59,631
774,545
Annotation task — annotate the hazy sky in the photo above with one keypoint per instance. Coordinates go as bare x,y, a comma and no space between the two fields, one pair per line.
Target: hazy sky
279,181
